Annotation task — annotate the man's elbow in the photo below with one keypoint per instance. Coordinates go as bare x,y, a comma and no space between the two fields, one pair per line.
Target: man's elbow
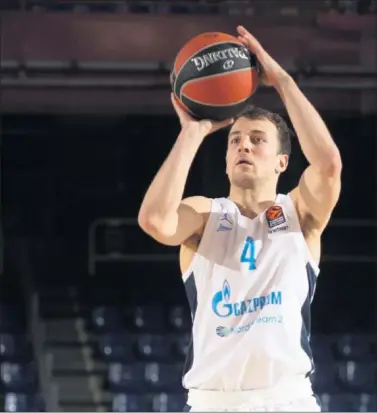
147,221
333,167
155,225
144,221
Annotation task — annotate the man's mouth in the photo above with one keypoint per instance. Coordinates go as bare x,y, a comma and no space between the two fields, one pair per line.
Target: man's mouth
244,162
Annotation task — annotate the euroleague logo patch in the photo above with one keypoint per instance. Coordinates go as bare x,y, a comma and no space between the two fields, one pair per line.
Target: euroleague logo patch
275,216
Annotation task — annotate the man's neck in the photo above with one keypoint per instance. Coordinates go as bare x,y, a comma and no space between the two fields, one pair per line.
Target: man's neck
252,202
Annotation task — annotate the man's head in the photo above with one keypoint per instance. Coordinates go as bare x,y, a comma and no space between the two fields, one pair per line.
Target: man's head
259,145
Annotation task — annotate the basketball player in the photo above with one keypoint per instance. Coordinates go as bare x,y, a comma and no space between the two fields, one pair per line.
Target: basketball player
249,261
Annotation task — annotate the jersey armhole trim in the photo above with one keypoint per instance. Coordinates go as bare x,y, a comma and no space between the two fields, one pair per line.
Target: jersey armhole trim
212,219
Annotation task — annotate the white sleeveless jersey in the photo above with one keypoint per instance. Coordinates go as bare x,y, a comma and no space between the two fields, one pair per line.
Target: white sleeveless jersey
250,286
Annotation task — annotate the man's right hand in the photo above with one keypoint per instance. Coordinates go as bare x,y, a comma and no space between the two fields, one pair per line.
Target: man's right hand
202,127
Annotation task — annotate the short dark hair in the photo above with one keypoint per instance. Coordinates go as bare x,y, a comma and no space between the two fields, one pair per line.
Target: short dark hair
284,133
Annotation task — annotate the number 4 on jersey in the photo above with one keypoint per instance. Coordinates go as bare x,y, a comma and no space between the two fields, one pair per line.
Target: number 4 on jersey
248,253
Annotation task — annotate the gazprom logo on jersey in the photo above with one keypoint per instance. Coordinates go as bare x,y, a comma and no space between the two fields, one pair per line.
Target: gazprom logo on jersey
223,307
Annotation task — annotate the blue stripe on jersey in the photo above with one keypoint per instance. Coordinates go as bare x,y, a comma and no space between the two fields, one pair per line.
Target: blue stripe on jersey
192,297
305,314
192,294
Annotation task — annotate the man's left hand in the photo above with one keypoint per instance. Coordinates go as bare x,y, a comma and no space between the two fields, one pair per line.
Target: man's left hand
271,72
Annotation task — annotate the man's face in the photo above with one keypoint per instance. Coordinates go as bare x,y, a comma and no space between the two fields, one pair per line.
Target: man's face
253,152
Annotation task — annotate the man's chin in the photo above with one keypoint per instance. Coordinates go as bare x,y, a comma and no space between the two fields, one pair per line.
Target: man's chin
244,180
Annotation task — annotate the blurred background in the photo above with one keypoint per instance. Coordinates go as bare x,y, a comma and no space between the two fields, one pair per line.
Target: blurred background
93,315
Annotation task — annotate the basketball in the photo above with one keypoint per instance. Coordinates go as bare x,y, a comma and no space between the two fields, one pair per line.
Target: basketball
213,76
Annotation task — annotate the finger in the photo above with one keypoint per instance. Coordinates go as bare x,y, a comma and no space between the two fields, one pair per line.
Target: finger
173,101
176,106
241,30
183,115
223,124
227,122
252,42
242,40
246,34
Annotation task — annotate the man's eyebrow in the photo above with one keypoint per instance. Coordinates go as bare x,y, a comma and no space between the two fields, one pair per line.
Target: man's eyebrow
252,131
258,132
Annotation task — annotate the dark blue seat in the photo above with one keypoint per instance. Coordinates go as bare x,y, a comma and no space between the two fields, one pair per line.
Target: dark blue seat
353,347
138,8
153,347
324,379
164,377
324,399
357,377
321,348
149,319
15,402
181,344
102,7
13,346
180,319
18,377
55,7
116,347
364,402
168,402
107,318
130,403
336,402
369,403
124,377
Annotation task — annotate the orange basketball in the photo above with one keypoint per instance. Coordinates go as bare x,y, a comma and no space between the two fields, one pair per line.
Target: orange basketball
214,75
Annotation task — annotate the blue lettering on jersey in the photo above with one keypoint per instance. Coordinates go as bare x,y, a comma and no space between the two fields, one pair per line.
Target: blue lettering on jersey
248,253
222,306
222,331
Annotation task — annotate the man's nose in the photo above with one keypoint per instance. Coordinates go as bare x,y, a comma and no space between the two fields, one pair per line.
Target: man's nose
245,145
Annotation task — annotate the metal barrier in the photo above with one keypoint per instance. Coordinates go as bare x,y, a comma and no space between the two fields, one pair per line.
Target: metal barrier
45,360
37,331
155,74
95,257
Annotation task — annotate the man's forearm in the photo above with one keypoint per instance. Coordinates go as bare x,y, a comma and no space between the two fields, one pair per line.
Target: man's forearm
314,137
166,190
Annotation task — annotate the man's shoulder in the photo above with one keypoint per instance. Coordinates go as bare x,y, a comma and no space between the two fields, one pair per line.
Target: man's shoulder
196,199
200,204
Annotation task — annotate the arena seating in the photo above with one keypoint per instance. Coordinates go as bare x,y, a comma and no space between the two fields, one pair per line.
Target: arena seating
144,348
143,343
147,358
18,372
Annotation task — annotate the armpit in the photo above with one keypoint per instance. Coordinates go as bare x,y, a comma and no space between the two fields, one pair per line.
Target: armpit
308,223
193,242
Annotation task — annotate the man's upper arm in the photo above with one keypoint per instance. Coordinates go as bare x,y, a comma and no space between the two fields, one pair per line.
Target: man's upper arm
316,196
191,218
